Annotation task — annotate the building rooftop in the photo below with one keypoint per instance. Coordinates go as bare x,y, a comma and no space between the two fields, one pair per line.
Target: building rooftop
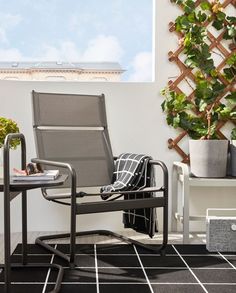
113,66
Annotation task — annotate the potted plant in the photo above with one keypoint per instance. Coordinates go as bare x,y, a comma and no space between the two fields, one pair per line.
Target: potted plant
200,113
7,126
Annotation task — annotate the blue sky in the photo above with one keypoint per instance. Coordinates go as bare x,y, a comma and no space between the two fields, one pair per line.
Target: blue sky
79,30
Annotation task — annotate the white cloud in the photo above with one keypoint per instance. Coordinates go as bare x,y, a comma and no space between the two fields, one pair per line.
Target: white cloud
8,21
103,48
10,55
3,37
142,67
66,51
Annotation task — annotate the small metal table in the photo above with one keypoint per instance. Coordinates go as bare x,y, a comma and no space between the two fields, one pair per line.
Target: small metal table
11,190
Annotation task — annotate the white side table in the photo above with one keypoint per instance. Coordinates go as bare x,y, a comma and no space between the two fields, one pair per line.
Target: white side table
181,177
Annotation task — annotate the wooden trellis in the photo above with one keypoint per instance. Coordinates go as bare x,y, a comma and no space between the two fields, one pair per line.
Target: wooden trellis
186,75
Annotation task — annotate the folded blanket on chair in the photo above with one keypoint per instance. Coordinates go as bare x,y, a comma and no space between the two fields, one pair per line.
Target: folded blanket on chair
132,171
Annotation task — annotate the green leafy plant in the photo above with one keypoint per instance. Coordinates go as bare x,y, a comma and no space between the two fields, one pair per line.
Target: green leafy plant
233,134
198,118
200,115
8,126
230,71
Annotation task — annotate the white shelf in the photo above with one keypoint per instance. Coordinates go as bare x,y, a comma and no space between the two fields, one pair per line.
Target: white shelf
213,182
181,173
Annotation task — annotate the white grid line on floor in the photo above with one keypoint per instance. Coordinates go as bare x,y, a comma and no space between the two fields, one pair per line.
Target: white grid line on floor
146,267
141,264
130,254
227,261
96,267
48,273
191,271
116,283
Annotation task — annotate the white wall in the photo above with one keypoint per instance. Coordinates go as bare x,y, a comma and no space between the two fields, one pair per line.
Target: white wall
136,124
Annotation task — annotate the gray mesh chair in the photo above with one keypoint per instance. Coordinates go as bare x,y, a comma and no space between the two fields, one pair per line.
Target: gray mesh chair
71,134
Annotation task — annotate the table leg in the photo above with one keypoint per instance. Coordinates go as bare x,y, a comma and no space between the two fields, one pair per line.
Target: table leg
24,227
7,241
174,199
185,200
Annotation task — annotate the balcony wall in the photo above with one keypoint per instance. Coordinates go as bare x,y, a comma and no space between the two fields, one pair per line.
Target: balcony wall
136,124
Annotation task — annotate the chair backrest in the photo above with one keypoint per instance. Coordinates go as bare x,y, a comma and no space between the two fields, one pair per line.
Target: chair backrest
72,128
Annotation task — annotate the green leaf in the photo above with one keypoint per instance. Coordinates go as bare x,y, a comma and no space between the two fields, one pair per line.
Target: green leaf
169,120
233,133
230,73
231,19
214,73
201,17
163,106
232,60
220,16
177,1
189,6
187,40
230,32
202,105
225,112
191,17
176,121
182,23
185,121
231,98
217,88
205,5
217,24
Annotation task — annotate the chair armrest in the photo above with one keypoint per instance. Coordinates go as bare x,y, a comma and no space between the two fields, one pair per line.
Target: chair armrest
164,170
165,178
73,180
72,174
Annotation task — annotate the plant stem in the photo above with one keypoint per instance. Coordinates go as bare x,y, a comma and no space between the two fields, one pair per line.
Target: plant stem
208,116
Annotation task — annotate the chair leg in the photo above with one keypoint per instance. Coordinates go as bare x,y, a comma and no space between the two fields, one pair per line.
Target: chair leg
72,238
165,224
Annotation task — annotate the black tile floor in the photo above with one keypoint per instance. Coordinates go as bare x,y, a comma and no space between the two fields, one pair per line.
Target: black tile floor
126,268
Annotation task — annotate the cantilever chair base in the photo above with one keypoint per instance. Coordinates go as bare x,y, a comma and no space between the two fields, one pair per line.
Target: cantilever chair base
40,241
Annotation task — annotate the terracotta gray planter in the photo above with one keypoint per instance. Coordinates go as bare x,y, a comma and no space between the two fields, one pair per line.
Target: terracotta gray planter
233,157
208,158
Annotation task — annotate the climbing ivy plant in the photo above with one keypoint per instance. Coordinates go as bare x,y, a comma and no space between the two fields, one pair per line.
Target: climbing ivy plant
199,116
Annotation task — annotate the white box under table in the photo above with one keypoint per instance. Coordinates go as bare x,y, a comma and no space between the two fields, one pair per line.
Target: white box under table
221,230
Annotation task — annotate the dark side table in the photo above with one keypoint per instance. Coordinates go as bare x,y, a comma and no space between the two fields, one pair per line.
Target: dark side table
11,190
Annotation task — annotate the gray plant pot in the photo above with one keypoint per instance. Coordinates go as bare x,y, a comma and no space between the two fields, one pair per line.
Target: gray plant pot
233,157
208,158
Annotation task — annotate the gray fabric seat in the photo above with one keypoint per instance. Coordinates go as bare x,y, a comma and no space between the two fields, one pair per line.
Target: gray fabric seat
71,134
